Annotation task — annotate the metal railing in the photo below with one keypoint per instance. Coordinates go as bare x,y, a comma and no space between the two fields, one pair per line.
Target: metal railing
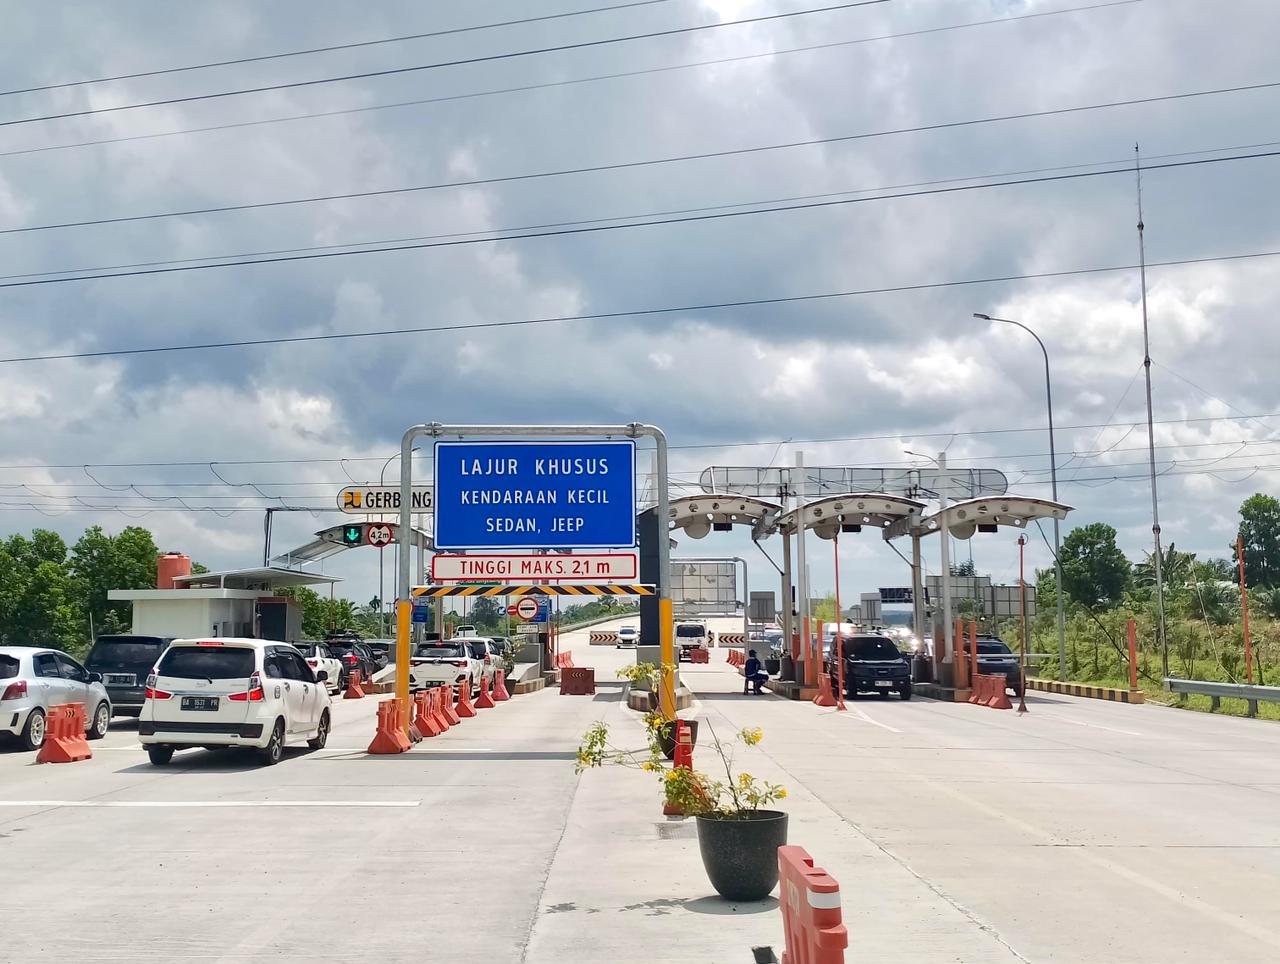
1252,695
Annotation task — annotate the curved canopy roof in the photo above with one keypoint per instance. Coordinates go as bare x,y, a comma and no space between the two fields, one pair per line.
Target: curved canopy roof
964,518
827,516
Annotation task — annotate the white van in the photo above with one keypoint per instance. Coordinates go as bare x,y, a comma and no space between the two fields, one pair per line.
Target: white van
233,692
690,636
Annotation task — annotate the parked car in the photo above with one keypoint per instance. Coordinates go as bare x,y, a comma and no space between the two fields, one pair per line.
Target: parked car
320,657
466,629
444,663
124,663
997,659
628,637
233,692
690,636
872,664
33,679
354,655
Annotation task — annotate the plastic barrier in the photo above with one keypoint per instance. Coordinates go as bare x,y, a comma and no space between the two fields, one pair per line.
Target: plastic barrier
500,693
578,681
564,661
424,720
389,738
736,658
700,656
64,740
450,711
435,708
354,692
824,697
997,697
683,760
465,708
485,700
809,898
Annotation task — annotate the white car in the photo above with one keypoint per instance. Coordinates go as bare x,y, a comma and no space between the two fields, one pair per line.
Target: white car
233,692
33,679
446,662
319,657
628,637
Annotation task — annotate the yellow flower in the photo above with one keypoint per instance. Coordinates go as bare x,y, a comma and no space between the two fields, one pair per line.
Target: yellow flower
744,779
672,775
752,735
782,792
649,766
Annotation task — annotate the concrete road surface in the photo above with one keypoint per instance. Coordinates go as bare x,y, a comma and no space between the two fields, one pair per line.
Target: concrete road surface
1082,832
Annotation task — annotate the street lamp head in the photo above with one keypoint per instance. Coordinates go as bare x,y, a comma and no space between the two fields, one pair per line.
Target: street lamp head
978,314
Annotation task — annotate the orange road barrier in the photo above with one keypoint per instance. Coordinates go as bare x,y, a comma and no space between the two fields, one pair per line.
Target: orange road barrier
354,692
998,698
465,708
423,719
809,898
447,705
500,693
435,708
485,700
824,697
683,760
389,738
64,740
578,681
700,656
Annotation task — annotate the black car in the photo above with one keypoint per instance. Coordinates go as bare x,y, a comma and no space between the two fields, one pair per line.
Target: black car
997,659
124,662
354,655
382,650
872,664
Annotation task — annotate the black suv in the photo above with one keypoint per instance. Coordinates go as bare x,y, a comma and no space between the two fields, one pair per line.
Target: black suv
124,662
872,664
997,659
354,655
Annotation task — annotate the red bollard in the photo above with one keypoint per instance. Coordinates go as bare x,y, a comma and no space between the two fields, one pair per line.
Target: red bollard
683,760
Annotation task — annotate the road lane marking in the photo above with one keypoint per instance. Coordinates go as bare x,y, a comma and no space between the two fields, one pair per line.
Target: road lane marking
1096,726
866,719
127,804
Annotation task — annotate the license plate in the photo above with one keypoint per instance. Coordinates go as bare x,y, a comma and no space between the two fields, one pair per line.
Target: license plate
205,703
120,679
884,682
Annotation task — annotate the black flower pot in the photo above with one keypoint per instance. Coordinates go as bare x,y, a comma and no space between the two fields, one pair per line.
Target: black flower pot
740,853
773,666
667,737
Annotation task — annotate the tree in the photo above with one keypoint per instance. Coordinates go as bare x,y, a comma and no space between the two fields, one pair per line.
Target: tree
100,562
1260,530
486,614
1094,570
965,568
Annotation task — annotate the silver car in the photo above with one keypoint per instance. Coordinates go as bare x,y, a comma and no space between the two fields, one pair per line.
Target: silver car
33,679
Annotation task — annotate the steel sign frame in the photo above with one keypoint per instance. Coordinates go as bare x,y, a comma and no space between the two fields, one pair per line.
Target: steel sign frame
458,528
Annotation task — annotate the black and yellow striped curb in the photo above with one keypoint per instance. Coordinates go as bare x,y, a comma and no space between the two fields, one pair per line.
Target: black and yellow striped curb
583,590
1110,693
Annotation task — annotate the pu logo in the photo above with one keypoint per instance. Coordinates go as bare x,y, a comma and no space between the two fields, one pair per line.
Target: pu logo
351,498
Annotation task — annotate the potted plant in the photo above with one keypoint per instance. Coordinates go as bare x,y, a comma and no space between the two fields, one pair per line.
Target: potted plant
648,676
738,837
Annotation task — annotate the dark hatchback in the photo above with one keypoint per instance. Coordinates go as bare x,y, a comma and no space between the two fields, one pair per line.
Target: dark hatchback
124,663
872,664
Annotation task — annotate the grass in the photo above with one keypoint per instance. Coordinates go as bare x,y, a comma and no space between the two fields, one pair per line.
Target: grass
1155,693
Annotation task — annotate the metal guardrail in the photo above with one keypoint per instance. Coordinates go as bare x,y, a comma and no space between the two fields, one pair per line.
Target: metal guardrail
1252,695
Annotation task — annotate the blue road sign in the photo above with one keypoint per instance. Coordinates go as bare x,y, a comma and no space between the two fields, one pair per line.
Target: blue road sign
544,611
535,495
421,614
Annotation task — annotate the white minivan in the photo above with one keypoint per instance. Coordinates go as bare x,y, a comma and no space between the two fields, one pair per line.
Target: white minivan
233,692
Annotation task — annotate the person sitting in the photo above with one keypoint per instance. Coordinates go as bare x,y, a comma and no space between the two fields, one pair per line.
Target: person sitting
753,672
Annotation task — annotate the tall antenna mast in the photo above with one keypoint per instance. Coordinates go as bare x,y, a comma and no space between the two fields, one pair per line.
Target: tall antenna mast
1161,638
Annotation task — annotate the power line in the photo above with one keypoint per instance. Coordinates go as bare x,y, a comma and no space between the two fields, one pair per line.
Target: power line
329,49
610,315
235,256
785,51
646,162
487,58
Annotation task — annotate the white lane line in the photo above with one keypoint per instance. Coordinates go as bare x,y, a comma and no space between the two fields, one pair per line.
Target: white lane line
866,719
1096,726
146,804
328,751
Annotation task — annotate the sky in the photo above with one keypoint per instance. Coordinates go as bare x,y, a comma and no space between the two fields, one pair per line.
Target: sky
161,439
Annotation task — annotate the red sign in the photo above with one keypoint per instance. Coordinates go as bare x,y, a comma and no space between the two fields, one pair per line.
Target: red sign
531,568
379,535
512,610
527,608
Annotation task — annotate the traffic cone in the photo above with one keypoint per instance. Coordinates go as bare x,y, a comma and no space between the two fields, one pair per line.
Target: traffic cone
354,692
485,700
500,693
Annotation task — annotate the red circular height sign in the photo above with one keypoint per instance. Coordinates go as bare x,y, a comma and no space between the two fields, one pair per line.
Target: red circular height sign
527,608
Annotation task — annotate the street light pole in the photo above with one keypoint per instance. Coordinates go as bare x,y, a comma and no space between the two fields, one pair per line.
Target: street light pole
1053,475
